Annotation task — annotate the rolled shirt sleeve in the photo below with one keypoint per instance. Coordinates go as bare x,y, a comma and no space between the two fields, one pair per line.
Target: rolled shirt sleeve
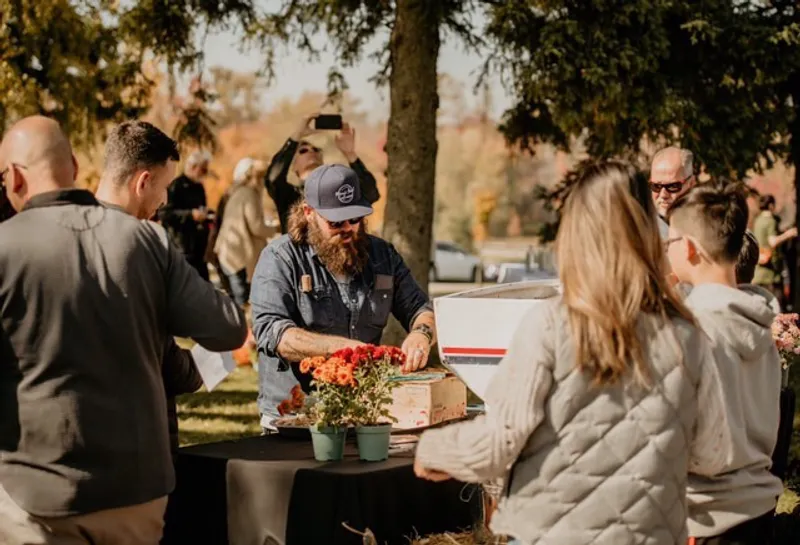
272,300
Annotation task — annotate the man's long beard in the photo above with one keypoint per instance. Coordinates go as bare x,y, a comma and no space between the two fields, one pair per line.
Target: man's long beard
341,257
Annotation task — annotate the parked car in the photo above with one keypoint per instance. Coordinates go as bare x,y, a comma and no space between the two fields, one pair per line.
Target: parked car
451,263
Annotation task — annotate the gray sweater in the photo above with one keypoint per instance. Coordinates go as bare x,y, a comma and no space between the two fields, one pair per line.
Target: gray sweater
739,323
88,298
591,465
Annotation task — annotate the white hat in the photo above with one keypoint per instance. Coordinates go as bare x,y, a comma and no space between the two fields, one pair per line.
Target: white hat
243,169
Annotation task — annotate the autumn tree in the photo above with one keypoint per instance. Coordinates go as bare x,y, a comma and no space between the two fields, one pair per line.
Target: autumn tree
84,62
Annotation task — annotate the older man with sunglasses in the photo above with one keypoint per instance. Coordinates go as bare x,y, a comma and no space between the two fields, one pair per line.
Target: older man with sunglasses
328,285
671,177
303,157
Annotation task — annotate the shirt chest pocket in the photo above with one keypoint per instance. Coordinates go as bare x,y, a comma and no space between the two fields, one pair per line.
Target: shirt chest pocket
316,308
380,301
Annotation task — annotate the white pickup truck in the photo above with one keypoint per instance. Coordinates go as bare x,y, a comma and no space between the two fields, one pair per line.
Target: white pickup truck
475,327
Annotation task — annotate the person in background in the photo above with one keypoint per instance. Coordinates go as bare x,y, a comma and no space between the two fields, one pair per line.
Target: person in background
329,285
769,272
303,157
185,215
734,505
243,233
607,396
671,176
88,298
133,152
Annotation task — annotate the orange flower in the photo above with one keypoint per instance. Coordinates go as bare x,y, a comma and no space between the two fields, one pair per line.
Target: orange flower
344,376
311,363
285,407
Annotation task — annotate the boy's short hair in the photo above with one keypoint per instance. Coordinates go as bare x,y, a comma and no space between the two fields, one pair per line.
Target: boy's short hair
716,216
748,259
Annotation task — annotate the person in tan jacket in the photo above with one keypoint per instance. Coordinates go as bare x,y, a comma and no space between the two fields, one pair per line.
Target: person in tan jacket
608,395
243,232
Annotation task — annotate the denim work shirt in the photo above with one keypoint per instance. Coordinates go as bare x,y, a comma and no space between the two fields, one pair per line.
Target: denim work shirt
279,302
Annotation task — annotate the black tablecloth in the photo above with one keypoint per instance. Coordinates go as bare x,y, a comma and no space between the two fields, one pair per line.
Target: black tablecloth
270,491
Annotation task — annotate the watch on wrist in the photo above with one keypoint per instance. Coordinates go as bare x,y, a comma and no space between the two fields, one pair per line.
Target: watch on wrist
426,330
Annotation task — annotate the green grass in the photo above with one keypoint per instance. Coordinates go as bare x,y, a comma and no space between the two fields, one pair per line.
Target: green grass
228,412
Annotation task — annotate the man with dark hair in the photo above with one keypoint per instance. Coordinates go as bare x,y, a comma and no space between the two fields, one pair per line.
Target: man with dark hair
769,272
329,285
185,215
88,298
305,157
137,170
706,235
135,179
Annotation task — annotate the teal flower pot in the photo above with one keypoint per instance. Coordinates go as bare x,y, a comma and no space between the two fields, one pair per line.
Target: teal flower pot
373,442
328,443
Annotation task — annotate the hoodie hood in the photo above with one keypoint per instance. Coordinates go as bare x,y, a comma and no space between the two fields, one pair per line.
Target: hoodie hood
745,315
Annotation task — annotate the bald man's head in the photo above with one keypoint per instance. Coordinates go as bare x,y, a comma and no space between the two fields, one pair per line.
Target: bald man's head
671,177
35,157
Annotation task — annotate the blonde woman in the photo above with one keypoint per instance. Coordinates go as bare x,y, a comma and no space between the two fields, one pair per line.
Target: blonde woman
607,396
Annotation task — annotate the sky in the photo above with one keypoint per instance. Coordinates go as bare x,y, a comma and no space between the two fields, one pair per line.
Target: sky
295,74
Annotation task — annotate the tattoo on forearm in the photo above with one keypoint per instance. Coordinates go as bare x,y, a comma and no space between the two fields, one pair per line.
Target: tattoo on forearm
298,344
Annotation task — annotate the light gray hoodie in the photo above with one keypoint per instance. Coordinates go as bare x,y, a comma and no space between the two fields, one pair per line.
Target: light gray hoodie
739,321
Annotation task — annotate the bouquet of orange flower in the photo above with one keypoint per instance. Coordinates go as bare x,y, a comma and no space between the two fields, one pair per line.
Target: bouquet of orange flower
374,368
352,386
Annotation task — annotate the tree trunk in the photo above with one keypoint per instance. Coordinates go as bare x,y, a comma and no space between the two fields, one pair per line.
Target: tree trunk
411,140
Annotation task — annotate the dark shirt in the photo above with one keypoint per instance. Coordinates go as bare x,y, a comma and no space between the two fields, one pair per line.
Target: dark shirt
286,195
278,303
89,296
180,377
183,196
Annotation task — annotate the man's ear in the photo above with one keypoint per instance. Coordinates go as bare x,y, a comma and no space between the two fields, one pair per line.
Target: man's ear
141,182
307,211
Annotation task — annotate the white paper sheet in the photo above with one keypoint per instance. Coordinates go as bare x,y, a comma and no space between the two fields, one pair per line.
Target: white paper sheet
213,366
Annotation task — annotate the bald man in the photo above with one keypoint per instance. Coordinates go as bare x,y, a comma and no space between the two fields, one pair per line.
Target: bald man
88,298
671,177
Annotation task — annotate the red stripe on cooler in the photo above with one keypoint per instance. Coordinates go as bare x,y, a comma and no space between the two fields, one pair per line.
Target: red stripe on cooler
461,351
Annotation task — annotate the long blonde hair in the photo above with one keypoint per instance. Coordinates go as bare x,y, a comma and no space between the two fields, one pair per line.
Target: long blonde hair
612,267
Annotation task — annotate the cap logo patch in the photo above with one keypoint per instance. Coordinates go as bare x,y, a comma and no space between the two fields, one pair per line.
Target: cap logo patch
345,194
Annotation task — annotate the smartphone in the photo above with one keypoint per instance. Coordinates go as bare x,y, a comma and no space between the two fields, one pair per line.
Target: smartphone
329,122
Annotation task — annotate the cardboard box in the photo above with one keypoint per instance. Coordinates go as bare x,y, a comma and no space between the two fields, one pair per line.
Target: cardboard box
428,401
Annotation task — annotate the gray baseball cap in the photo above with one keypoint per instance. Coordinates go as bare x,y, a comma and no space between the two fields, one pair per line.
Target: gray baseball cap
334,191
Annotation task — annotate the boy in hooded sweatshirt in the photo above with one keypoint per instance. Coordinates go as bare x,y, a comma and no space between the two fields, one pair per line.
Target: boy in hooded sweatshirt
706,234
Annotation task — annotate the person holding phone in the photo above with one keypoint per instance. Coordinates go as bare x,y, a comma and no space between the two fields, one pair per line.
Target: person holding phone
303,157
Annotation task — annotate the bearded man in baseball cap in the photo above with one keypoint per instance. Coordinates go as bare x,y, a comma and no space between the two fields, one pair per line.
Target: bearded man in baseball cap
328,285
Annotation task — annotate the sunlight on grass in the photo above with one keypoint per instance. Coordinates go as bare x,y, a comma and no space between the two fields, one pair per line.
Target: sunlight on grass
228,412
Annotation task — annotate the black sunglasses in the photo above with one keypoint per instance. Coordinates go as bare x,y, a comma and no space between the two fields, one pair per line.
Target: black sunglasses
339,224
305,150
671,187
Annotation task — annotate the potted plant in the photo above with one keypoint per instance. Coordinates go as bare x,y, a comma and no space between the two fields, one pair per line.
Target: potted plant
374,368
334,383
